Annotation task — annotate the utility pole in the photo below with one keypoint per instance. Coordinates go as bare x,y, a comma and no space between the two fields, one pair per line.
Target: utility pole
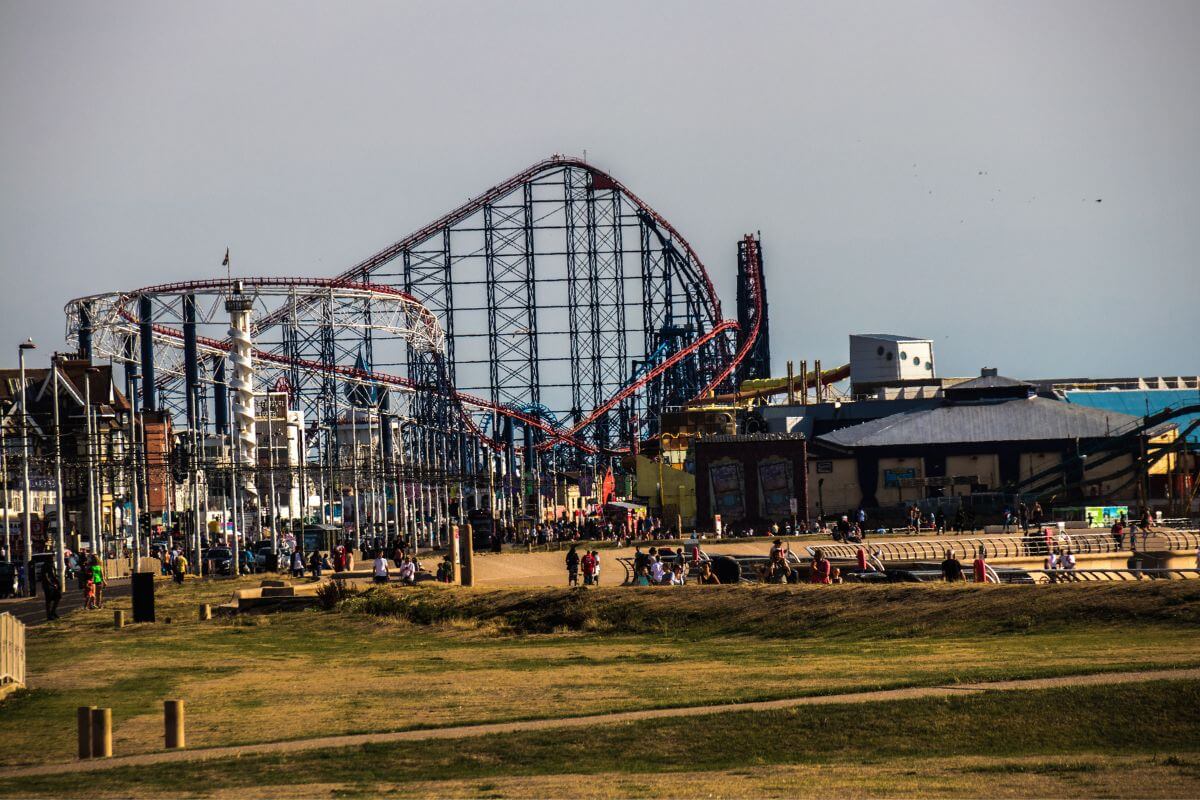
60,539
26,502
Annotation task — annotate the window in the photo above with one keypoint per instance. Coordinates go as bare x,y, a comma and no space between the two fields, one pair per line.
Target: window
879,350
916,361
929,366
903,355
889,355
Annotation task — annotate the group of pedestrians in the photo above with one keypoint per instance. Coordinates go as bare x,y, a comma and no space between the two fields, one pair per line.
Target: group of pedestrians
588,564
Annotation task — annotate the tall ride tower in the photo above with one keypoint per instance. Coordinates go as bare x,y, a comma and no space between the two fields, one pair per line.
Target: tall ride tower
238,305
752,311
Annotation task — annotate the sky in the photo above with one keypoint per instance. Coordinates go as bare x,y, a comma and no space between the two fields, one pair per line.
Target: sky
1017,181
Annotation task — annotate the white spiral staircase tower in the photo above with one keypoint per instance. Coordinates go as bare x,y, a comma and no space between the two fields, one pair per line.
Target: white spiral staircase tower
241,355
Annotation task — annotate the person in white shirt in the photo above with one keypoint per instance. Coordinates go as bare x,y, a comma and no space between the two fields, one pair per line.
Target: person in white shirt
408,571
656,571
380,568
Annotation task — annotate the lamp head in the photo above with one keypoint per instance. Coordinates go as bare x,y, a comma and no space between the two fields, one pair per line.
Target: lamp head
28,345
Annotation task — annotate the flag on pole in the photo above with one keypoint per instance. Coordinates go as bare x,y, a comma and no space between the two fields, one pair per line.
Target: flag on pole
225,263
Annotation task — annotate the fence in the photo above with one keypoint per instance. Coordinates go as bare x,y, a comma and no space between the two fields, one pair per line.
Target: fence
1036,543
12,651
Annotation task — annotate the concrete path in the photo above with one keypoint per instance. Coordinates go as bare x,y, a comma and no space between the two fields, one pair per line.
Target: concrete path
461,731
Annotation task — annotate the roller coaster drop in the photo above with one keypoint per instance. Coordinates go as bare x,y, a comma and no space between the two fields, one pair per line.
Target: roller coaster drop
557,301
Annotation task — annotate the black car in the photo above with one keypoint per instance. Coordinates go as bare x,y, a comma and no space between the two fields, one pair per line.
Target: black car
8,579
219,560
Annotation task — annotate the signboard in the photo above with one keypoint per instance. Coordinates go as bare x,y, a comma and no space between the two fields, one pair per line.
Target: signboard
1104,516
774,487
893,478
824,467
795,506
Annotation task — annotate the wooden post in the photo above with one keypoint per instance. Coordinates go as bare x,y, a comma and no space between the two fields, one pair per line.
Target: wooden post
118,618
83,722
173,722
101,732
467,548
455,556
205,611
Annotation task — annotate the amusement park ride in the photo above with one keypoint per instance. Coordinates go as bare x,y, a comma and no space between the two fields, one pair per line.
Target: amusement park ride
557,302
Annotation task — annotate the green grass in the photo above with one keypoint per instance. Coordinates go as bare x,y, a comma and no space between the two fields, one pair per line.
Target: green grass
1157,718
480,656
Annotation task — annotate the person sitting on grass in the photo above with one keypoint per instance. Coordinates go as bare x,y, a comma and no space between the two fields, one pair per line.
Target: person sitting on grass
821,571
707,576
379,570
952,570
656,570
676,577
408,571
642,578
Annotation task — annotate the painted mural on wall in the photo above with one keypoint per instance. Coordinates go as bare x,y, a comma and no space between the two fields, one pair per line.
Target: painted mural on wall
728,487
775,487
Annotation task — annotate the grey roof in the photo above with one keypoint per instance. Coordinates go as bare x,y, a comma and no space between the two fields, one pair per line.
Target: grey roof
1023,419
988,382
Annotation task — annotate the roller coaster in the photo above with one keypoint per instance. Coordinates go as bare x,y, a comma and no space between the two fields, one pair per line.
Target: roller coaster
557,302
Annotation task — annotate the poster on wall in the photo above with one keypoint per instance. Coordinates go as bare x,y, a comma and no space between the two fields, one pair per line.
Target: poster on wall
728,489
1105,516
775,487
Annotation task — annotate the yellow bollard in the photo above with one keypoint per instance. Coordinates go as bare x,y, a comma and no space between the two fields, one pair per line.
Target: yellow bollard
205,611
83,722
101,733
173,718
118,618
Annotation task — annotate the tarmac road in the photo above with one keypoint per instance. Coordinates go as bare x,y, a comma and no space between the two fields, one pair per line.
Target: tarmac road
32,610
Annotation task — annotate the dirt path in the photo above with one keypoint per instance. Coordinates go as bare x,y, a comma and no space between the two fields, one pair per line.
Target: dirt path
461,731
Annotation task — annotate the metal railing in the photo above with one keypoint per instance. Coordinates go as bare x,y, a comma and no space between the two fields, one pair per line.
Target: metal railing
1093,575
1037,543
12,651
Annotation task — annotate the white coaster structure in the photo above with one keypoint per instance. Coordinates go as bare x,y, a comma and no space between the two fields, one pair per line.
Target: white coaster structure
241,355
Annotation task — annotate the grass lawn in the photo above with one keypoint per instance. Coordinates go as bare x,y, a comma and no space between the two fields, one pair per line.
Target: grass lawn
435,656
1131,740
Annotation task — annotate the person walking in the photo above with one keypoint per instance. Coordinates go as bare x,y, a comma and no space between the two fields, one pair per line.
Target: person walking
572,567
297,564
51,590
179,567
315,562
98,582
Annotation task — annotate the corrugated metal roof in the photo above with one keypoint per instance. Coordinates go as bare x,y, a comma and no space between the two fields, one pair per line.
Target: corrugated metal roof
1025,419
988,382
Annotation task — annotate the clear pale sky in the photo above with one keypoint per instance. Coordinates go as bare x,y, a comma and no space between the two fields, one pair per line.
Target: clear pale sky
915,167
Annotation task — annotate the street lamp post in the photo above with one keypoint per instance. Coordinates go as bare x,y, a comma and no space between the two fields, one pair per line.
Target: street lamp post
25,496
134,509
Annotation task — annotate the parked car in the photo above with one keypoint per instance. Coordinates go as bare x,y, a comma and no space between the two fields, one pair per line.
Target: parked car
8,579
219,559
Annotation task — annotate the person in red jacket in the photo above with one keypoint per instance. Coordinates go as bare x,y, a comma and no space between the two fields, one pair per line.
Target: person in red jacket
821,570
979,566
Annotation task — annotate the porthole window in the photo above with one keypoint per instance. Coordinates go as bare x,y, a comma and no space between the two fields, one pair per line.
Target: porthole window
879,351
929,366
889,355
916,361
903,355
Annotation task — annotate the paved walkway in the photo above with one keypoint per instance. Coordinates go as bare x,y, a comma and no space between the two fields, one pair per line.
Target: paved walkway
461,731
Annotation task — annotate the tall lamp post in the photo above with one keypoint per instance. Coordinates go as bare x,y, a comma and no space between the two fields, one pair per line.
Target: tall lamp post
25,499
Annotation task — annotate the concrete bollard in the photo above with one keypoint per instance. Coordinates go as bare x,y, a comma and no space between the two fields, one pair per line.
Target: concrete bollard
101,733
118,618
173,723
205,611
83,723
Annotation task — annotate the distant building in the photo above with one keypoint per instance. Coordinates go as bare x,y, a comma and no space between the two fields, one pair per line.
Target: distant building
883,359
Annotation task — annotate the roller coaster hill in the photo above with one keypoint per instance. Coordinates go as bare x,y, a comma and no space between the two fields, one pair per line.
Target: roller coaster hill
528,338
